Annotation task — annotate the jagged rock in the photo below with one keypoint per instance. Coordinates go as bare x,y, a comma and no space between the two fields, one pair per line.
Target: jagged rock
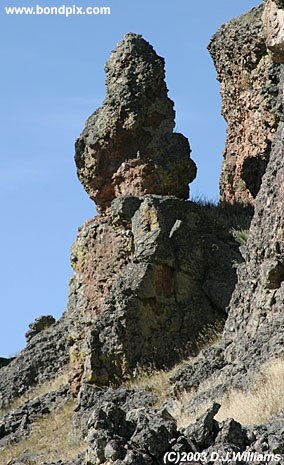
232,433
128,146
254,330
249,89
273,19
190,375
46,355
150,276
92,398
17,423
133,437
204,431
152,272
40,324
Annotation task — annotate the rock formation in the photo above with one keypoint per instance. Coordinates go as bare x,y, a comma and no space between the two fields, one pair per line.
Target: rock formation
249,87
154,270
128,146
148,278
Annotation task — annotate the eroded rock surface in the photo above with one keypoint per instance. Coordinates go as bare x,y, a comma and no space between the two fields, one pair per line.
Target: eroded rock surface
149,277
249,81
273,20
46,354
129,146
153,271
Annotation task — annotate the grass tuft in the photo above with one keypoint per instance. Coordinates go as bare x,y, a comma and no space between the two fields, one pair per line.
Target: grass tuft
254,407
36,391
262,402
51,439
240,235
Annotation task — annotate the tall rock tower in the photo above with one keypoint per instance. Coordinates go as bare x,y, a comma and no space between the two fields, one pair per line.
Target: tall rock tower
128,146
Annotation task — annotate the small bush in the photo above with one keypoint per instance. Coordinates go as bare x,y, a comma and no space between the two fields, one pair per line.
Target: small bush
240,235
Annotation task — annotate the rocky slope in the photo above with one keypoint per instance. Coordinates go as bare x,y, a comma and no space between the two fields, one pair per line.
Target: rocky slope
154,273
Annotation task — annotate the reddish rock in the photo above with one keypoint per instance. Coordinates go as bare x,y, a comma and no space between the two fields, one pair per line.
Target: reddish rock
249,88
128,146
273,20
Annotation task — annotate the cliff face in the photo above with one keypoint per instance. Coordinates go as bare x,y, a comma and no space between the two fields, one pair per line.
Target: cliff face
153,272
256,309
249,81
149,272
149,277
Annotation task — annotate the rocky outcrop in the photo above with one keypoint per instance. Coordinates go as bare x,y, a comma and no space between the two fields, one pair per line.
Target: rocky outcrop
46,354
257,305
128,146
273,20
253,333
152,275
147,437
253,330
249,81
40,324
154,271
16,424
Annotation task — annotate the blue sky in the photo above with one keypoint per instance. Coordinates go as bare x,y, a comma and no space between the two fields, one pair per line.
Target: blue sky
52,79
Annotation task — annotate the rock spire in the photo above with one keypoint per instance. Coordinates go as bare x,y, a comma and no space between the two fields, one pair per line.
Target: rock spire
129,146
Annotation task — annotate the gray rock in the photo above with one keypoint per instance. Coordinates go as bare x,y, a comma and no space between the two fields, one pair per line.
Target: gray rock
204,431
143,288
40,324
17,423
128,146
46,355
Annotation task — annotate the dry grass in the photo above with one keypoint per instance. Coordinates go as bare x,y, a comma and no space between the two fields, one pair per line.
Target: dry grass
258,405
158,380
150,378
39,390
179,411
249,408
51,439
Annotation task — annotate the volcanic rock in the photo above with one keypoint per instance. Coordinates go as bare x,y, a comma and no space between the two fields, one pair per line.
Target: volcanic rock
128,146
149,277
249,88
273,19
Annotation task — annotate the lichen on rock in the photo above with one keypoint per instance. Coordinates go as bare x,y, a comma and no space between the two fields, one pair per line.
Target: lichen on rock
129,146
249,81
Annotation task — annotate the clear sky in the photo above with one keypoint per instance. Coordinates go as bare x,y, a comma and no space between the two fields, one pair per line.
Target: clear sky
52,79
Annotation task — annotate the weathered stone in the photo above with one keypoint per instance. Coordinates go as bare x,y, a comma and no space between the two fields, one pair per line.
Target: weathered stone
128,146
233,434
150,276
254,323
40,324
249,88
139,435
46,355
190,375
92,398
273,19
204,431
17,422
